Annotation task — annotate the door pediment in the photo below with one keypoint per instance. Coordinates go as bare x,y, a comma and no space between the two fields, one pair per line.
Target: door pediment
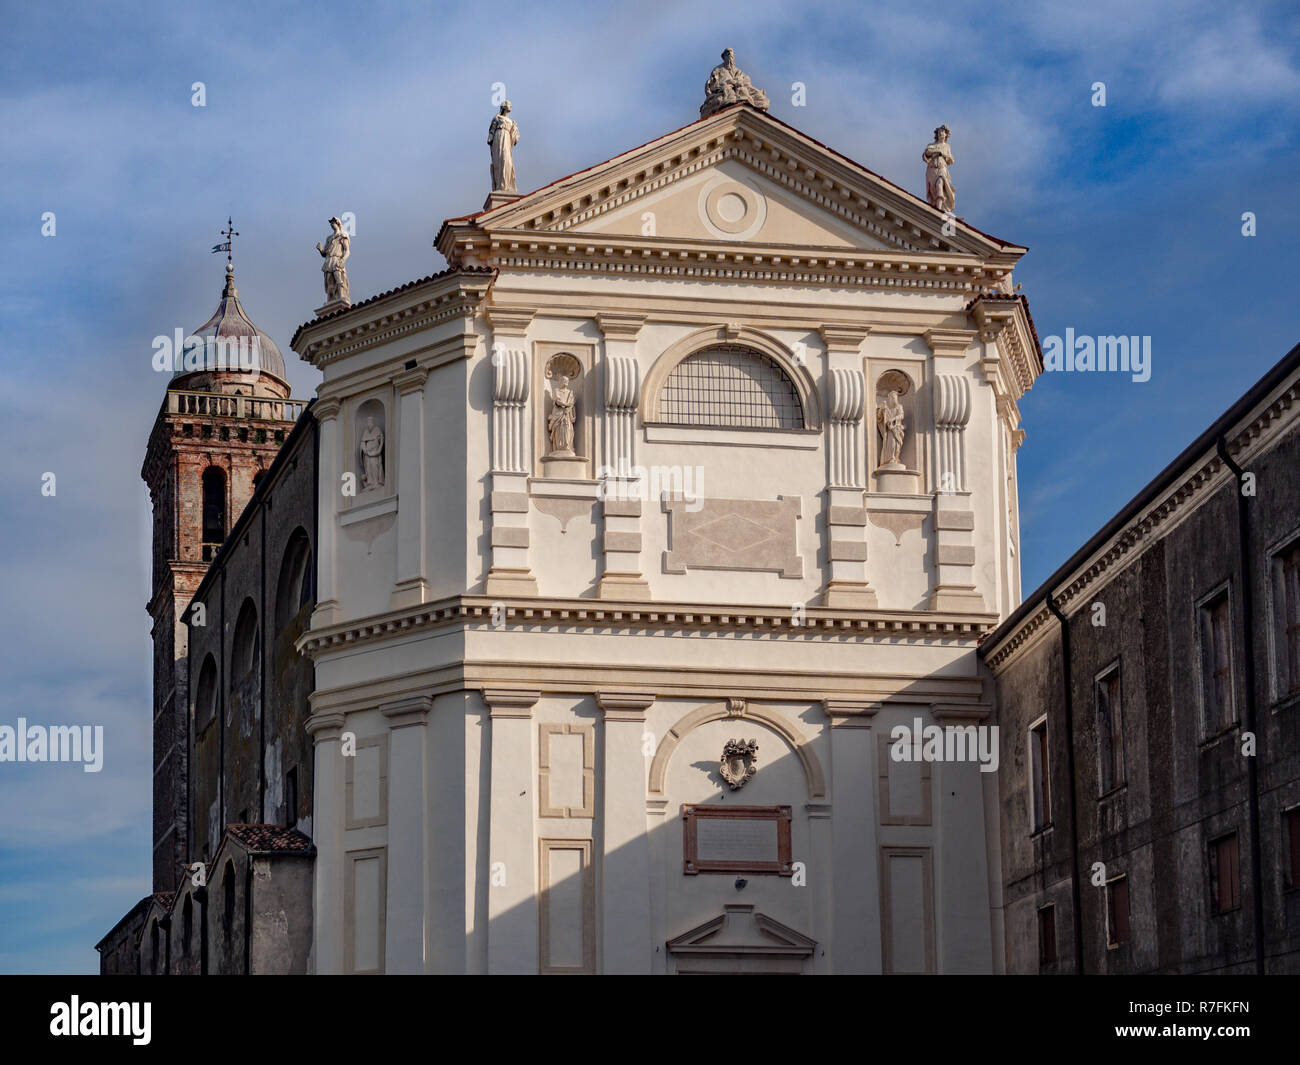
740,940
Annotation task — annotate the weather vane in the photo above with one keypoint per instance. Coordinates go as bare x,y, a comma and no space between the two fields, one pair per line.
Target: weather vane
225,245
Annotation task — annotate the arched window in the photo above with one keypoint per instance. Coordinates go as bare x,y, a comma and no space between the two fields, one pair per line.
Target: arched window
153,947
214,505
228,901
294,589
205,694
187,924
730,386
243,653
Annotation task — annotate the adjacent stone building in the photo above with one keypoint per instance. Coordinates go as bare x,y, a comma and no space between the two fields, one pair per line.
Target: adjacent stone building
1149,705
231,469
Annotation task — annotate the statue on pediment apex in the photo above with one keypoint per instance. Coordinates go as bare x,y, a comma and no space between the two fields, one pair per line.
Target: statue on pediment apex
728,85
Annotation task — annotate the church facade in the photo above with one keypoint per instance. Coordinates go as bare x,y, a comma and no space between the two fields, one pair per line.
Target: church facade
642,533
697,478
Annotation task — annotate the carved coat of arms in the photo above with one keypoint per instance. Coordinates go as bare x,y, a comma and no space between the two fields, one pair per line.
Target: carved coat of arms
739,762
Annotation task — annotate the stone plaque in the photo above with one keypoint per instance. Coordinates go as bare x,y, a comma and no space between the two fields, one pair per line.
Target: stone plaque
739,534
736,839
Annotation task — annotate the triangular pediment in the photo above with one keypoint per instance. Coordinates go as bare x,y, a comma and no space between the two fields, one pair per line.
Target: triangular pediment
738,177
739,930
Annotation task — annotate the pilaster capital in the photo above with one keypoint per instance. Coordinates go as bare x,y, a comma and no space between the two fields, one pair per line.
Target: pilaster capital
850,713
843,339
326,408
510,321
324,726
949,343
624,706
615,326
510,702
411,379
410,710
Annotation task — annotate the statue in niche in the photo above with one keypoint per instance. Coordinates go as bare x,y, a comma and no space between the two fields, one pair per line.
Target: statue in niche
890,424
503,135
372,456
559,426
728,85
335,252
938,185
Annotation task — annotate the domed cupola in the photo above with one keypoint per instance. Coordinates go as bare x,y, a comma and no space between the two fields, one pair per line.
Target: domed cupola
228,353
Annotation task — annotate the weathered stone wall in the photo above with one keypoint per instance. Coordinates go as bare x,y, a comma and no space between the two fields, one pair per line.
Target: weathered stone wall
1181,789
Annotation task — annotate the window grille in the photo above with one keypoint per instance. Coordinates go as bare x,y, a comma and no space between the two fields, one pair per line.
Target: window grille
730,387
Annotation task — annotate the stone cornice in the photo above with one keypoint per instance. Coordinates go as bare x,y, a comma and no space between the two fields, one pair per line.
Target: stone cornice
1201,480
641,616
708,260
1005,324
447,297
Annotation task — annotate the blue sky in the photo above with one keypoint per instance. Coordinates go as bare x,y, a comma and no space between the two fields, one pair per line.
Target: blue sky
1132,214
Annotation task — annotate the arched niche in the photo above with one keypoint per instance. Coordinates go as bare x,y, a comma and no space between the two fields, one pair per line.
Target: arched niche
370,449
798,744
903,473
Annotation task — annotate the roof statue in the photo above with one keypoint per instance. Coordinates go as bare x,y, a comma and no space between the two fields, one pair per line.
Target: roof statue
728,85
938,185
503,135
335,252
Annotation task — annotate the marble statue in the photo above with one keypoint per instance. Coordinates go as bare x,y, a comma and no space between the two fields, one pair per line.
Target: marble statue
559,425
890,424
938,185
728,85
372,456
503,135
335,252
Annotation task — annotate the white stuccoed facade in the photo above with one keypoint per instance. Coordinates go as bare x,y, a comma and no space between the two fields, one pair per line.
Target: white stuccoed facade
540,663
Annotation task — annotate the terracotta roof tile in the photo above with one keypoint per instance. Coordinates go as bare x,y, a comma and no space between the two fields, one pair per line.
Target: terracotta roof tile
272,839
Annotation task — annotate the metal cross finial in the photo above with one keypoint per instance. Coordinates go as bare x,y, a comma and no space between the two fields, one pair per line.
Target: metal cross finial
226,245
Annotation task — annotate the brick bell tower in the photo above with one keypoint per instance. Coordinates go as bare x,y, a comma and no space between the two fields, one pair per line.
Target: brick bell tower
224,416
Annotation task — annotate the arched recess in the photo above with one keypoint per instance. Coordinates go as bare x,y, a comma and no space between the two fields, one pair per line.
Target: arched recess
243,651
205,694
294,585
761,343
812,767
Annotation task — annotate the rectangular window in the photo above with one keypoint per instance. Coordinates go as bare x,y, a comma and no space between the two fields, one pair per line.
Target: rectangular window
1047,935
1039,788
1117,929
1291,841
1110,732
1225,883
1286,583
1216,663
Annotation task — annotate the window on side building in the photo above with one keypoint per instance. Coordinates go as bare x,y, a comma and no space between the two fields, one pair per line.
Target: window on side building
1047,935
1110,731
1225,878
1117,924
1040,795
1217,697
1286,612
